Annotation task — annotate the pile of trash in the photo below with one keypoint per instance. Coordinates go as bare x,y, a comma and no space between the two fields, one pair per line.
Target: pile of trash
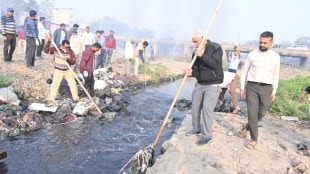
17,116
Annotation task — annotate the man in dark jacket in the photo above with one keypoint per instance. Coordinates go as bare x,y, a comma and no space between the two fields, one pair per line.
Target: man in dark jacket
31,32
87,66
60,34
209,74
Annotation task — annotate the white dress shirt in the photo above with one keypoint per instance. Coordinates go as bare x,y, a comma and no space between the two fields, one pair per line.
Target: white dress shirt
261,67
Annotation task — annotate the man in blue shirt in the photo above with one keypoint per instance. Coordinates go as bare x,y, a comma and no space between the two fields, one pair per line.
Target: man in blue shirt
31,32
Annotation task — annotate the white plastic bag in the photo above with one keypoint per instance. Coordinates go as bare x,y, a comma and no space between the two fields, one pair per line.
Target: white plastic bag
8,96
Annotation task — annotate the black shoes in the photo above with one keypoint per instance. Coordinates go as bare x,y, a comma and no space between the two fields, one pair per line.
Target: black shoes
203,140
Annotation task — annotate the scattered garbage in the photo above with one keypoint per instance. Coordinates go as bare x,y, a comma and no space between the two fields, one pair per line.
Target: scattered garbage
42,107
289,118
183,104
8,96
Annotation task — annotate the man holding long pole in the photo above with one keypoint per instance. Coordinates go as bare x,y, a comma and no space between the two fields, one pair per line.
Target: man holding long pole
61,70
208,71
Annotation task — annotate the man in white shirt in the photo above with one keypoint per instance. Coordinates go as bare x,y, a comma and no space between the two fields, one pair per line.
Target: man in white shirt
128,56
261,71
77,45
41,37
89,38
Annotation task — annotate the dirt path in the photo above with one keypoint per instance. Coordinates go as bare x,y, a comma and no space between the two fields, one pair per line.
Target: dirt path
275,152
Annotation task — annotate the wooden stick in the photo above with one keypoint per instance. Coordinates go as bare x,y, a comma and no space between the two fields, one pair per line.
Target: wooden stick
185,76
78,80
144,68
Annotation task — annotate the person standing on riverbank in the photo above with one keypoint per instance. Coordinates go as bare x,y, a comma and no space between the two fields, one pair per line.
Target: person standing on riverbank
261,71
21,39
60,34
110,47
139,53
31,32
128,56
41,36
8,31
234,61
100,57
209,74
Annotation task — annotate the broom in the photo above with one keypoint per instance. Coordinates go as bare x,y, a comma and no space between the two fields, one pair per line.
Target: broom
145,156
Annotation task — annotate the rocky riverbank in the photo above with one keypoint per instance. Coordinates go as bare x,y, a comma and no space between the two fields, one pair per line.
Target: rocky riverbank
282,146
276,151
31,83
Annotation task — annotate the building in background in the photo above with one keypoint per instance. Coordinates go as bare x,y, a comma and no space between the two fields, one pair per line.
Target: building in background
63,15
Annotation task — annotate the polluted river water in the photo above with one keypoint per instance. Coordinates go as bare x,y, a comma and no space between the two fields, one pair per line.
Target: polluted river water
87,146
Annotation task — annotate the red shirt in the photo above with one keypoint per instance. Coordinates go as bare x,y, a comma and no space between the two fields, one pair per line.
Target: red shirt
21,34
87,61
110,42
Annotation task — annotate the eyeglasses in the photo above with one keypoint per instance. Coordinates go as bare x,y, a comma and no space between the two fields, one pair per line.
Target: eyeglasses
194,41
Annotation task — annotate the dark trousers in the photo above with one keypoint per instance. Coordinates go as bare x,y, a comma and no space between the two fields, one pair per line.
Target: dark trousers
108,55
89,85
258,97
101,59
30,51
40,48
9,47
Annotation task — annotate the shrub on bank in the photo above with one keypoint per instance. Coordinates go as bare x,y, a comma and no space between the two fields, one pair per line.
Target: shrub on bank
288,93
5,81
155,71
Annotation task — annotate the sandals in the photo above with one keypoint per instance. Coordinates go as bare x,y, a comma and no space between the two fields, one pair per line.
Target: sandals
243,132
251,145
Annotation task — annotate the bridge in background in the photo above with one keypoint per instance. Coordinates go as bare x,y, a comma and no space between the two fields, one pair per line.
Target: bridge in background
187,47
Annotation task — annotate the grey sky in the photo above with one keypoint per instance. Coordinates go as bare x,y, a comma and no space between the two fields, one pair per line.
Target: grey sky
237,20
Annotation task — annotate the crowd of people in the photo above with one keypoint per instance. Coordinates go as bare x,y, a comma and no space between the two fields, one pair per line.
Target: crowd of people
258,78
85,52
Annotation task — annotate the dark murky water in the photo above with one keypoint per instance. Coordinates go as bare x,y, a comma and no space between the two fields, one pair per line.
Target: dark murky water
86,146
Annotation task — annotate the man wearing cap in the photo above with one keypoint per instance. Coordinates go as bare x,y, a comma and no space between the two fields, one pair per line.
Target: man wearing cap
8,31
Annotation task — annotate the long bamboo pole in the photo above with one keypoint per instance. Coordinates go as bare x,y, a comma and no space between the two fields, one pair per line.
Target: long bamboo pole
78,80
185,76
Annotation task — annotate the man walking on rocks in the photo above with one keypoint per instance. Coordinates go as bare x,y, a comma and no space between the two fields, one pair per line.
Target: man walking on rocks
261,71
209,74
8,31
